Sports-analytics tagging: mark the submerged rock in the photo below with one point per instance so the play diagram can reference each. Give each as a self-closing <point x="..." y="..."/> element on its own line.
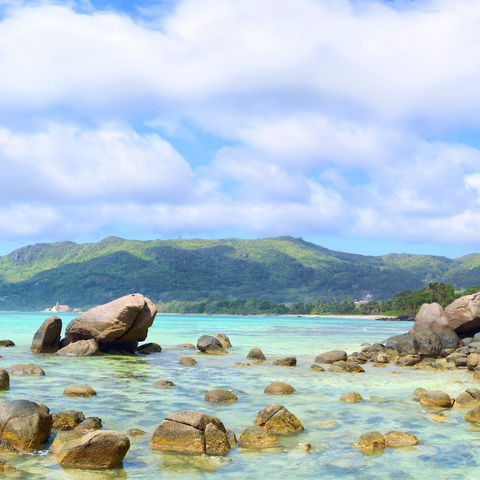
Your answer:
<point x="26" y="369"/>
<point x="96" y="450"/>
<point x="164" y="384"/>
<point x="187" y="361"/>
<point x="278" y="420"/>
<point x="24" y="425"/>
<point x="257" y="437"/>
<point x="396" y="439"/>
<point x="351" y="397"/>
<point x="371" y="442"/>
<point x="47" y="337"/>
<point x="220" y="396"/>
<point x="79" y="390"/>
<point x="285" y="362"/>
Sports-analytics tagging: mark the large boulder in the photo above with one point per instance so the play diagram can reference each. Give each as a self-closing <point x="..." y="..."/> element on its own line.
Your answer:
<point x="98" y="450"/>
<point x="191" y="432"/>
<point x="431" y="316"/>
<point x="464" y="315"/>
<point x="211" y="345"/>
<point x="116" y="326"/>
<point x="428" y="342"/>
<point x="404" y="344"/>
<point x="47" y="337"/>
<point x="82" y="348"/>
<point x="278" y="420"/>
<point x="24" y="425"/>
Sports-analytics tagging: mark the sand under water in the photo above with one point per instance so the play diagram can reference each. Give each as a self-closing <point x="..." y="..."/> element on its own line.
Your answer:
<point x="127" y="398"/>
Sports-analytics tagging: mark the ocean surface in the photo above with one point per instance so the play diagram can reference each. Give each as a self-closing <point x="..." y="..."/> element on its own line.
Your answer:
<point x="127" y="398"/>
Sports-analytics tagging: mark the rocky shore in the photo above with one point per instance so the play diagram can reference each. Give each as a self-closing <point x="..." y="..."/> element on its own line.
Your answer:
<point x="440" y="340"/>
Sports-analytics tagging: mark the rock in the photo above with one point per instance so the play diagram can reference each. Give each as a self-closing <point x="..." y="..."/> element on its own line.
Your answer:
<point x="317" y="368"/>
<point x="382" y="358"/>
<point x="97" y="450"/>
<point x="136" y="432"/>
<point x="371" y="442"/>
<point x="464" y="315"/>
<point x="352" y="397"/>
<point x="232" y="438"/>
<point x="331" y="356"/>
<point x="409" y="360"/>
<point x="277" y="419"/>
<point x="24" y="425"/>
<point x="67" y="420"/>
<point x="6" y="343"/>
<point x="81" y="348"/>
<point x="116" y="326"/>
<point x="190" y="432"/>
<point x="428" y="342"/>
<point x="257" y="437"/>
<point x="432" y="316"/>
<point x="47" y="337"/>
<point x="187" y="346"/>
<point x="305" y="446"/>
<point x="79" y="390"/>
<point x="224" y="340"/>
<point x="437" y="417"/>
<point x="256" y="355"/>
<point x="89" y="424"/>
<point x="279" y="388"/>
<point x="476" y="376"/>
<point x="26" y="369"/>
<point x="400" y="439"/>
<point x="4" y="379"/>
<point x="210" y="345"/>
<point x="404" y="344"/>
<point x="7" y="469"/>
<point x="187" y="361"/>
<point x="376" y="398"/>
<point x="417" y="392"/>
<point x="473" y="416"/>
<point x="285" y="362"/>
<point x="164" y="384"/>
<point x="466" y="401"/>
<point x="62" y="437"/>
<point x="473" y="360"/>
<point x="435" y="399"/>
<point x="460" y="362"/>
<point x="220" y="396"/>
<point x="353" y="367"/>
<point x="148" y="348"/>
<point x="241" y="365"/>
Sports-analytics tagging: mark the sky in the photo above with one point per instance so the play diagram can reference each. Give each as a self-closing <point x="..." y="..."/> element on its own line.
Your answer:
<point x="354" y="124"/>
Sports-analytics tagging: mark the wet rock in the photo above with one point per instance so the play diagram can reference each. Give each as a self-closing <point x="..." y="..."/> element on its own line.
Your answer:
<point x="305" y="446"/>
<point x="241" y="365"/>
<point x="256" y="355"/>
<point x="97" y="450"/>
<point x="351" y="397"/>
<point x="460" y="362"/>
<point x="464" y="315"/>
<point x="317" y="368"/>
<point x="47" y="337"/>
<point x="79" y="390"/>
<point x="26" y="369"/>
<point x="473" y="360"/>
<point x="136" y="432"/>
<point x="257" y="437"/>
<point x="148" y="348"/>
<point x="67" y="420"/>
<point x="331" y="356"/>
<point x="89" y="424"/>
<point x="396" y="439"/>
<point x="164" y="384"/>
<point x="435" y="399"/>
<point x="409" y="360"/>
<point x="187" y="346"/>
<point x="62" y="437"/>
<point x="466" y="401"/>
<point x="437" y="417"/>
<point x="116" y="326"/>
<point x="285" y="362"/>
<point x="279" y="388"/>
<point x="24" y="425"/>
<point x="382" y="358"/>
<point x="187" y="432"/>
<point x="6" y="343"/>
<point x="371" y="442"/>
<point x="232" y="438"/>
<point x="187" y="361"/>
<point x="277" y="419"/>
<point x="81" y="348"/>
<point x="220" y="396"/>
<point x="210" y="345"/>
<point x="473" y="416"/>
<point x="404" y="344"/>
<point x="353" y="367"/>
<point x="224" y="340"/>
<point x="4" y="379"/>
<point x="417" y="392"/>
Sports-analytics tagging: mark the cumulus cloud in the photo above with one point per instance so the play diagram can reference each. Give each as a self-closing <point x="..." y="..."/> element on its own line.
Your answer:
<point x="326" y="117"/>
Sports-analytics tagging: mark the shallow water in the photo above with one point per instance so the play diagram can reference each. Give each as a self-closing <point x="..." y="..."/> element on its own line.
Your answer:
<point x="127" y="398"/>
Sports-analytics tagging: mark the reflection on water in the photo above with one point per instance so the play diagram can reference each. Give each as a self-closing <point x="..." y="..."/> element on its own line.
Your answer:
<point x="127" y="398"/>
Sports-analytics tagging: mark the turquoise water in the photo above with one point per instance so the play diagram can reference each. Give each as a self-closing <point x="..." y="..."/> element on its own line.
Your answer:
<point x="127" y="398"/>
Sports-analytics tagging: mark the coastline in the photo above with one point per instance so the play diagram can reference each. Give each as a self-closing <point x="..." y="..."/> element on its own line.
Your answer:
<point x="359" y="317"/>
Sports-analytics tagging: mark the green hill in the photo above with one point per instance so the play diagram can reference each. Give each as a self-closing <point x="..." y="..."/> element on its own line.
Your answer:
<point x="283" y="269"/>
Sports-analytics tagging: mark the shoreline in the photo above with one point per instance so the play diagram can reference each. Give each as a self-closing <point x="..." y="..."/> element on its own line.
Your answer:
<point x="360" y="317"/>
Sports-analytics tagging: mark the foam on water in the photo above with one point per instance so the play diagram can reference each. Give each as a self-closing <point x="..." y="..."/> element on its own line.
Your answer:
<point x="127" y="398"/>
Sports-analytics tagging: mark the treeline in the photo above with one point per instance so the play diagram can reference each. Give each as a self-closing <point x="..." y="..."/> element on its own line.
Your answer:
<point x="405" y="302"/>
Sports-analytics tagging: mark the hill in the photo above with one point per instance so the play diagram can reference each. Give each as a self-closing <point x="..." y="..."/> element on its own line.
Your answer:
<point x="282" y="269"/>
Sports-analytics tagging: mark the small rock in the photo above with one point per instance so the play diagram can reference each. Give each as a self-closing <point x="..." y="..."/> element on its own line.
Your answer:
<point x="473" y="416"/>
<point x="6" y="468"/>
<point x="437" y="417"/>
<point x="231" y="437"/>
<point x="371" y="442"/>
<point x="187" y="361"/>
<point x="409" y="360"/>
<point x="224" y="340"/>
<point x="305" y="446"/>
<point x="331" y="356"/>
<point x="62" y="437"/>
<point x="241" y="365"/>
<point x="417" y="392"/>
<point x="285" y="362"/>
<point x="256" y="355"/>
<point x="317" y="368"/>
<point x="4" y="379"/>
<point x="277" y="419"/>
<point x="211" y="345"/>
<point x="351" y="397"/>
<point x="148" y="348"/>
<point x="164" y="384"/>
<point x="220" y="396"/>
<point x="6" y="343"/>
<point x="375" y="398"/>
<point x="435" y="399"/>
<point x="256" y="437"/>
<point x="67" y="419"/>
<point x="89" y="424"/>
<point x="80" y="390"/>
<point x="465" y="401"/>
<point x="187" y="346"/>
<point x="400" y="439"/>
<point x="136" y="432"/>
<point x="279" y="388"/>
<point x="26" y="369"/>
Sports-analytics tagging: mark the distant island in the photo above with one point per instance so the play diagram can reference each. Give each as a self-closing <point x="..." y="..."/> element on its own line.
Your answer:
<point x="281" y="270"/>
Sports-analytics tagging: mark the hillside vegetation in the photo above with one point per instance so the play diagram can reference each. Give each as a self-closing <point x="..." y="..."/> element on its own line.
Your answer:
<point x="283" y="269"/>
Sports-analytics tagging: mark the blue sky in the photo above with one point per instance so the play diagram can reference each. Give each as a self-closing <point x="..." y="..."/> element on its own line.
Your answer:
<point x="353" y="124"/>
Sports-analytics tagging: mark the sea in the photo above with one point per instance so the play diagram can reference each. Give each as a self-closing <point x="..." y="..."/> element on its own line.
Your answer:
<point x="127" y="398"/>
